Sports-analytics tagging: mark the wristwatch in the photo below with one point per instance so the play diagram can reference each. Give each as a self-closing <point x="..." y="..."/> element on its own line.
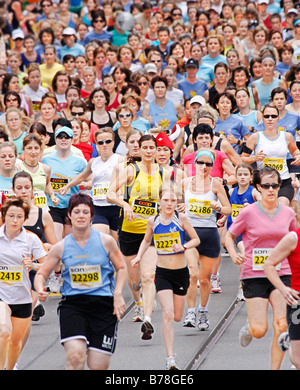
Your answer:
<point x="184" y="246"/>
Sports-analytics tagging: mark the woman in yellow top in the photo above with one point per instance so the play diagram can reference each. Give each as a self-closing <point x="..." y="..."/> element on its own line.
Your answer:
<point x="142" y="181"/>
<point x="50" y="67"/>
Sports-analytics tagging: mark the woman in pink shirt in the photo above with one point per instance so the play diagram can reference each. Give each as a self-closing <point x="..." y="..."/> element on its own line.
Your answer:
<point x="262" y="224"/>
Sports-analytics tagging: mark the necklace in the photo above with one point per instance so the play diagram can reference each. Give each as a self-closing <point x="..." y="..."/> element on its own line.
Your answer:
<point x="31" y="166"/>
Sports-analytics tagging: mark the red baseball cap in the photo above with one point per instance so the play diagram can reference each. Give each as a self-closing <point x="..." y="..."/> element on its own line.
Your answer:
<point x="163" y="139"/>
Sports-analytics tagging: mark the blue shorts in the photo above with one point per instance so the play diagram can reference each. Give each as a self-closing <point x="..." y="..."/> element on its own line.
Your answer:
<point x="107" y="215"/>
<point x="210" y="242"/>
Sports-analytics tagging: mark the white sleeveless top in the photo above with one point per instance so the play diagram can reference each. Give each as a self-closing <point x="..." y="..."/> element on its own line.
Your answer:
<point x="197" y="207"/>
<point x="102" y="171"/>
<point x="276" y="152"/>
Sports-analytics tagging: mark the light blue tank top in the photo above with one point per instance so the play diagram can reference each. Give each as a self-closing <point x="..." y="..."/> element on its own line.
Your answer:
<point x="249" y="119"/>
<point x="264" y="91"/>
<point x="165" y="117"/>
<point x="87" y="270"/>
<point x="6" y="185"/>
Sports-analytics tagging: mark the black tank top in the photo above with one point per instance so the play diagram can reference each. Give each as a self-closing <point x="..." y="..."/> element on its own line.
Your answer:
<point x="38" y="227"/>
<point x="110" y="123"/>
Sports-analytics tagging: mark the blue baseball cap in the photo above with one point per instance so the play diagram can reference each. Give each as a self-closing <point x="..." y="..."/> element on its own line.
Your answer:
<point x="64" y="129"/>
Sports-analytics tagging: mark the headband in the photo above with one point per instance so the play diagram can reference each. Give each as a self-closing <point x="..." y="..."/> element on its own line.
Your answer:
<point x="296" y="22"/>
<point x="204" y="153"/>
<point x="268" y="58"/>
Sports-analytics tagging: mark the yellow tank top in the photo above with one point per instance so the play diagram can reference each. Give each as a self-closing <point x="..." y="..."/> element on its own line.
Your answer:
<point x="142" y="194"/>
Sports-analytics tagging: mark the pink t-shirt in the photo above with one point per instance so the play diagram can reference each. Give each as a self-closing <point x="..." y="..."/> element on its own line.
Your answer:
<point x="260" y="234"/>
<point x="217" y="170"/>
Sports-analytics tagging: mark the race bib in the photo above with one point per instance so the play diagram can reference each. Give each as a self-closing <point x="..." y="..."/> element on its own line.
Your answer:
<point x="100" y="191"/>
<point x="40" y="199"/>
<point x="236" y="208"/>
<point x="259" y="257"/>
<point x="86" y="276"/>
<point x="144" y="208"/>
<point x="8" y="193"/>
<point x="276" y="163"/>
<point x="58" y="183"/>
<point x="11" y="275"/>
<point x="199" y="207"/>
<point x="164" y="242"/>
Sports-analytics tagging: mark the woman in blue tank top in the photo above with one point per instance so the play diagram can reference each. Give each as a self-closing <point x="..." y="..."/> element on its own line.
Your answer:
<point x="263" y="87"/>
<point x="90" y="292"/>
<point x="250" y="117"/>
<point x="172" y="274"/>
<point x="162" y="112"/>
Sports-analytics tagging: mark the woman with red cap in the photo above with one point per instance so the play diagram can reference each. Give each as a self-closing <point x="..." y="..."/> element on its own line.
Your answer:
<point x="164" y="157"/>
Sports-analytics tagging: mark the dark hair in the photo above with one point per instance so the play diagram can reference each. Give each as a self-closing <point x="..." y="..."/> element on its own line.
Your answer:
<point x="202" y="128"/>
<point x="39" y="128"/>
<point x="252" y="62"/>
<point x="90" y="104"/>
<point x="61" y="122"/>
<point x="278" y="90"/>
<point x="155" y="79"/>
<point x="17" y="202"/>
<point x="22" y="174"/>
<point x="270" y="105"/>
<point x="12" y="93"/>
<point x="47" y="30"/>
<point x="4" y="135"/>
<point x="68" y="57"/>
<point x="6" y="80"/>
<point x="78" y="199"/>
<point x="258" y="175"/>
<point x="229" y="96"/>
<point x="31" y="138"/>
<point x="147" y="137"/>
<point x="57" y="74"/>
<point x="96" y="13"/>
<point x="240" y="68"/>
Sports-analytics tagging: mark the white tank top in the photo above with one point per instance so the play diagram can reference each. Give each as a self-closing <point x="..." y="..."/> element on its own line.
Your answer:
<point x="276" y="152"/>
<point x="102" y="171"/>
<point x="197" y="207"/>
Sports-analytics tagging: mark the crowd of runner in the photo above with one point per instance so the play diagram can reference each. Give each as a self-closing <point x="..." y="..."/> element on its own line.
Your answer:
<point x="139" y="140"/>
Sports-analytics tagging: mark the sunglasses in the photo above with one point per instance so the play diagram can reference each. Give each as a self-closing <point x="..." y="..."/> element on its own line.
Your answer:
<point x="99" y="21"/>
<point x="273" y="116"/>
<point x="63" y="136"/>
<point x="106" y="142"/>
<point x="124" y="115"/>
<point x="154" y="61"/>
<point x="208" y="164"/>
<point x="142" y="83"/>
<point x="267" y="186"/>
<point x="77" y="113"/>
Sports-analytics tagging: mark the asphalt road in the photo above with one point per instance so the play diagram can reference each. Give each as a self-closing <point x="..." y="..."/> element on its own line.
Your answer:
<point x="44" y="352"/>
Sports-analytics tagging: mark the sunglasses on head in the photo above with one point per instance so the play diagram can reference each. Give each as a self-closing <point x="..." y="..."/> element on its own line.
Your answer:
<point x="267" y="186"/>
<point x="273" y="116"/>
<point x="63" y="135"/>
<point x="106" y="142"/>
<point x="208" y="164"/>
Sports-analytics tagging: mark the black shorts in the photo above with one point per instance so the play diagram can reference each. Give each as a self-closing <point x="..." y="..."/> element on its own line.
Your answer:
<point x="20" y="310"/>
<point x="107" y="215"/>
<point x="130" y="242"/>
<point x="89" y="318"/>
<point x="177" y="280"/>
<point x="59" y="215"/>
<point x="292" y="168"/>
<point x="286" y="189"/>
<point x="210" y="242"/>
<point x="293" y="320"/>
<point x="261" y="287"/>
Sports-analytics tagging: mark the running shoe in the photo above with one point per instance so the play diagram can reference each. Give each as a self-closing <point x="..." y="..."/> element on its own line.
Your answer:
<point x="147" y="330"/>
<point x="215" y="285"/>
<point x="38" y="312"/>
<point x="138" y="313"/>
<point x="203" y="321"/>
<point x="171" y="364"/>
<point x="284" y="341"/>
<point x="190" y="320"/>
<point x="245" y="336"/>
